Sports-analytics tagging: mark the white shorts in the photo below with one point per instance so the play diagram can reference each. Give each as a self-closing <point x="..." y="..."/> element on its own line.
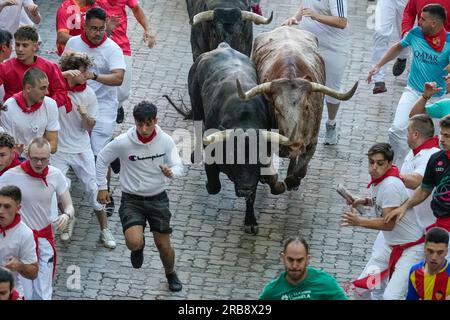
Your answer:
<point x="335" y="63"/>
<point x="41" y="287"/>
<point x="83" y="165"/>
<point x="123" y="92"/>
<point x="101" y="135"/>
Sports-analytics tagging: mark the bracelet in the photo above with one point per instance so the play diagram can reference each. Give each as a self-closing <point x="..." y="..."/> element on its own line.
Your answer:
<point x="425" y="97"/>
<point x="95" y="76"/>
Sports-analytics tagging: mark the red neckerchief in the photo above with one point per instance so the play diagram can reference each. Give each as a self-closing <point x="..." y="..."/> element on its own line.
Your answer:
<point x="392" y="172"/>
<point x="146" y="140"/>
<point x="89" y="43"/>
<point x="14" y="223"/>
<point x="430" y="143"/>
<point x="46" y="233"/>
<point x="14" y="295"/>
<point x="14" y="163"/>
<point x="23" y="105"/>
<point x="29" y="170"/>
<point x="77" y="87"/>
<point x="437" y="41"/>
<point x="448" y="154"/>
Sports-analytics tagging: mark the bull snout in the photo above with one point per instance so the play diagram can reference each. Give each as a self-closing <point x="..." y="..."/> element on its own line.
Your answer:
<point x="245" y="193"/>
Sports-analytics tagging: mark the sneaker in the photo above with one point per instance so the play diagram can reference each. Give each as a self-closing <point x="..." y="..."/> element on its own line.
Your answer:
<point x="379" y="87"/>
<point x="331" y="134"/>
<point x="174" y="283"/>
<point x="110" y="207"/>
<point x="120" y="115"/>
<point x="137" y="257"/>
<point x="67" y="233"/>
<point x="399" y="67"/>
<point x="107" y="238"/>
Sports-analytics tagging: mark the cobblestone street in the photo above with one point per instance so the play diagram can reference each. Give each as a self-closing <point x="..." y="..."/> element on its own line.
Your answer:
<point x="215" y="259"/>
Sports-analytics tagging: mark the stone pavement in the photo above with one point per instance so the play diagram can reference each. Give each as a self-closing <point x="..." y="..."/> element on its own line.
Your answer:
<point x="214" y="257"/>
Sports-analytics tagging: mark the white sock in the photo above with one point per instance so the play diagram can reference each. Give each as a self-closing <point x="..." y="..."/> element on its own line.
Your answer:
<point x="331" y="122"/>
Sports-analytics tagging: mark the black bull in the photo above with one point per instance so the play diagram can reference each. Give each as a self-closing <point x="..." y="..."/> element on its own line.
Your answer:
<point x="216" y="21"/>
<point x="214" y="100"/>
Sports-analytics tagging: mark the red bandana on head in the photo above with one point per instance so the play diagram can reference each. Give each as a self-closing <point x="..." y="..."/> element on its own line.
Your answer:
<point x="23" y="105"/>
<point x="146" y="140"/>
<point x="392" y="172"/>
<point x="26" y="167"/>
<point x="14" y="163"/>
<point x="430" y="143"/>
<point x="14" y="223"/>
<point x="89" y="43"/>
<point x="437" y="42"/>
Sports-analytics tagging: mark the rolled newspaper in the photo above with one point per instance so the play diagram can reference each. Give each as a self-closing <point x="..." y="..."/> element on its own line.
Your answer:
<point x="349" y="197"/>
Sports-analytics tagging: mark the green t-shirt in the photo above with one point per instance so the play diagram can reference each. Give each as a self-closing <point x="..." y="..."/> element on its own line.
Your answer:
<point x="317" y="285"/>
<point x="439" y="109"/>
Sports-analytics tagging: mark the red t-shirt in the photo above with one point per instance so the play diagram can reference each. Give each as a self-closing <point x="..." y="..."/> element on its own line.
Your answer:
<point x="414" y="8"/>
<point x="70" y="19"/>
<point x="117" y="8"/>
<point x="12" y="71"/>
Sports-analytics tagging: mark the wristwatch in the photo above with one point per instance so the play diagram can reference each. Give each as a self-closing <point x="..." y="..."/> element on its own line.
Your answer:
<point x="94" y="76"/>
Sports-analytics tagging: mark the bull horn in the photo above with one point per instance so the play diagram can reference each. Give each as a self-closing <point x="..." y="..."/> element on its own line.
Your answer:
<point x="317" y="87"/>
<point x="261" y="88"/>
<point x="256" y="18"/>
<point x="273" y="136"/>
<point x="217" y="137"/>
<point x="204" y="16"/>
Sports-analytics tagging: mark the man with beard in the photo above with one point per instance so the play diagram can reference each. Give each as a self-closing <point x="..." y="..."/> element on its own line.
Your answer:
<point x="299" y="281"/>
<point x="430" y="45"/>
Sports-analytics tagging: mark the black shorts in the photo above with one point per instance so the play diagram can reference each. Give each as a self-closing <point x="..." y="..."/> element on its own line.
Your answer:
<point x="137" y="210"/>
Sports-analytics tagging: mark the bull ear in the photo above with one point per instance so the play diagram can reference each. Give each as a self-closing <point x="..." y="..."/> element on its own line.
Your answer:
<point x="307" y="78"/>
<point x="222" y="128"/>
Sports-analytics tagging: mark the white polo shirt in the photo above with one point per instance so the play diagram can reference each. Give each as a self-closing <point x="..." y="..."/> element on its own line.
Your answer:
<point x="18" y="243"/>
<point x="24" y="127"/>
<point x="36" y="196"/>
<point x="73" y="137"/>
<point x="106" y="57"/>
<point x="417" y="164"/>
<point x="390" y="193"/>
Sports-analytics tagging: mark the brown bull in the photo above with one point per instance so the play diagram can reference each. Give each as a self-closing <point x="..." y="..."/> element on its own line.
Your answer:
<point x="291" y="74"/>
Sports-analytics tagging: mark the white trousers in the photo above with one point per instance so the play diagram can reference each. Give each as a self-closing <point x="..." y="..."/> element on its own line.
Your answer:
<point x="101" y="135"/>
<point x="124" y="90"/>
<point x="397" y="132"/>
<point x="41" y="287"/>
<point x="388" y="19"/>
<point x="396" y="287"/>
<point x="335" y="63"/>
<point x="83" y="165"/>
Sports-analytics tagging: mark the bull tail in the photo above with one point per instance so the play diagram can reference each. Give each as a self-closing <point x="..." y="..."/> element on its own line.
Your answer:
<point x="183" y="110"/>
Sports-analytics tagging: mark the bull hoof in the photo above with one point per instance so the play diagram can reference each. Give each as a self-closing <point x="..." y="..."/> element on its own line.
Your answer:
<point x="292" y="183"/>
<point x="278" y="188"/>
<point x="251" y="229"/>
<point x="213" y="190"/>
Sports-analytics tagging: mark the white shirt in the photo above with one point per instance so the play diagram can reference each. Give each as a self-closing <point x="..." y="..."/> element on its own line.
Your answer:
<point x="36" y="196"/>
<point x="24" y="127"/>
<point x="10" y="15"/>
<point x="106" y="57"/>
<point x="139" y="163"/>
<point x="18" y="243"/>
<point x="329" y="37"/>
<point x="391" y="193"/>
<point x="417" y="164"/>
<point x="73" y="137"/>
